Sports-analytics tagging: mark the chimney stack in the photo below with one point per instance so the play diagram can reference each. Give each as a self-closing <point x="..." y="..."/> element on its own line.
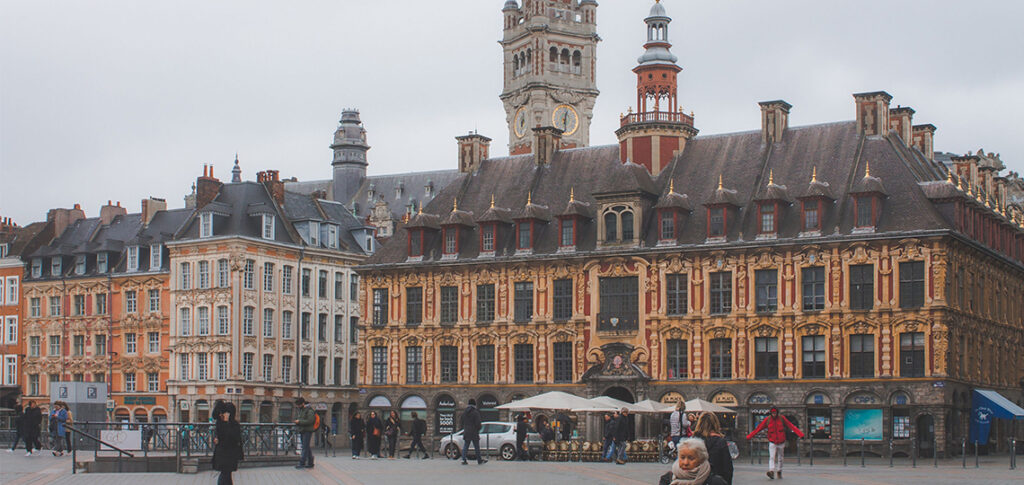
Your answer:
<point x="62" y="218"/>
<point x="774" y="120"/>
<point x="207" y="187"/>
<point x="546" y="140"/>
<point x="901" y="119"/>
<point x="150" y="207"/>
<point x="110" y="211"/>
<point x="474" y="148"/>
<point x="924" y="140"/>
<point x="872" y="113"/>
<point x="271" y="180"/>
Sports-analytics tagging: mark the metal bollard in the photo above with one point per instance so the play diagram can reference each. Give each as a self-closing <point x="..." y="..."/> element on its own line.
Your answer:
<point x="798" y="452"/>
<point x="975" y="453"/>
<point x="753" y="451"/>
<point x="862" y="452"/>
<point x="759" y="456"/>
<point x="844" y="452"/>
<point x="935" y="450"/>
<point x="1013" y="453"/>
<point x="913" y="453"/>
<point x="811" y="456"/>
<point x="963" y="451"/>
<point x="890" y="452"/>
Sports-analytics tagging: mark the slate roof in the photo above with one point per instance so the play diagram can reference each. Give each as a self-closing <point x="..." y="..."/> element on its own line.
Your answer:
<point x="413" y="190"/>
<point x="26" y="240"/>
<point x="741" y="160"/>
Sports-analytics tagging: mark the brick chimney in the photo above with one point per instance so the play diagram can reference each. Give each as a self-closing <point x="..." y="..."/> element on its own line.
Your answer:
<point x="150" y="207"/>
<point x="872" y="113"/>
<point x="924" y="140"/>
<point x="110" y="211"/>
<point x="774" y="120"/>
<point x="272" y="181"/>
<point x="546" y="140"/>
<point x="207" y="187"/>
<point x="474" y="148"/>
<point x="901" y="120"/>
<point x="62" y="218"/>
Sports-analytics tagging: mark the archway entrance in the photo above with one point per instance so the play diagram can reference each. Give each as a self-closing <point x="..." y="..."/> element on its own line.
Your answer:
<point x="623" y="394"/>
<point x="925" y="435"/>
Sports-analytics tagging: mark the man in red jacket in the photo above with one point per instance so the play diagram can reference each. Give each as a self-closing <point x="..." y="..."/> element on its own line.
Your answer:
<point x="775" y="427"/>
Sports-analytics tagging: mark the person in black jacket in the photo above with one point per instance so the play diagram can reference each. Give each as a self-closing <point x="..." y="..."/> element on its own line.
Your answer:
<point x="374" y="431"/>
<point x="609" y="436"/>
<point x="392" y="430"/>
<point x="622" y="429"/>
<point x="522" y="431"/>
<point x="32" y="420"/>
<point x="471" y="432"/>
<point x="19" y="426"/>
<point x="356" y="431"/>
<point x="419" y="428"/>
<point x="709" y="429"/>
<point x="227" y="451"/>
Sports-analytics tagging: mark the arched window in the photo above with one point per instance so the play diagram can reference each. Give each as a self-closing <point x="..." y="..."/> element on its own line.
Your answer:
<point x="565" y="57"/>
<point x="627" y="226"/>
<point x="554" y="55"/>
<point x="529" y="58"/>
<point x="515" y="64"/>
<point x="610" y="226"/>
<point x="577" y="62"/>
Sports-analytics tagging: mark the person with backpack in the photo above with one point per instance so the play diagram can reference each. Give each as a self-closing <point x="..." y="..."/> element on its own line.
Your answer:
<point x="419" y="428"/>
<point x="19" y="429"/>
<point x="678" y="424"/>
<point x="775" y="427"/>
<point x="471" y="423"/>
<point x="308" y="422"/>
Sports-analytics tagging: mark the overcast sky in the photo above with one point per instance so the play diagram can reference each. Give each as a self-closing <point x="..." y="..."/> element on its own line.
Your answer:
<point x="126" y="99"/>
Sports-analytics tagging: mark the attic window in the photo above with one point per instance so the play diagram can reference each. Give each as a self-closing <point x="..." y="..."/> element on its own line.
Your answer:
<point x="487" y="238"/>
<point x="37" y="267"/>
<point x="451" y="240"/>
<point x="80" y="264"/>
<point x="668" y="225"/>
<point x="415" y="243"/>
<point x="568" y="232"/>
<point x="618" y="224"/>
<point x="332" y="236"/>
<point x="812" y="215"/>
<point x="55" y="266"/>
<point x="768" y="212"/>
<point x="133" y="259"/>
<point x="865" y="211"/>
<point x="101" y="263"/>
<point x="525" y="236"/>
<point x="398" y="192"/>
<point x="155" y="257"/>
<point x="314" y="234"/>
<point x="429" y="190"/>
<point x="716" y="222"/>
<point x="268" y="226"/>
<point x="206" y="224"/>
<point x="3" y="250"/>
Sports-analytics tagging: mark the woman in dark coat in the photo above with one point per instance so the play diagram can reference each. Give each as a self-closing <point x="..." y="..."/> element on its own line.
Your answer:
<point x="33" y="419"/>
<point x="709" y="430"/>
<point x="227" y="451"/>
<point x="393" y="429"/>
<point x="356" y="431"/>
<point x="374" y="432"/>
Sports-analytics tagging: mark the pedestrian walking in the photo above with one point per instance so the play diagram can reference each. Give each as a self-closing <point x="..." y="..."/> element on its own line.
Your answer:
<point x="775" y="428"/>
<point x="678" y="424"/>
<point x="67" y="432"/>
<point x="356" y="431"/>
<point x="32" y="421"/>
<point x="610" y="422"/>
<point x="471" y="432"/>
<point x="19" y="428"/>
<point x="522" y="431"/>
<point x="58" y="416"/>
<point x="392" y="431"/>
<point x="374" y="432"/>
<point x="691" y="467"/>
<point x="227" y="444"/>
<point x="622" y="429"/>
<point x="307" y="425"/>
<point x="710" y="430"/>
<point x="419" y="428"/>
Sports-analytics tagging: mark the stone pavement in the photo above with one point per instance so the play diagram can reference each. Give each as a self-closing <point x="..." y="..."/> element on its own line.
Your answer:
<point x="16" y="469"/>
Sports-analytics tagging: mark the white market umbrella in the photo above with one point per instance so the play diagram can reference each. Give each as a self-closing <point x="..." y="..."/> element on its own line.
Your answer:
<point x="702" y="406"/>
<point x="607" y="404"/>
<point x="552" y="401"/>
<point x="648" y="406"/>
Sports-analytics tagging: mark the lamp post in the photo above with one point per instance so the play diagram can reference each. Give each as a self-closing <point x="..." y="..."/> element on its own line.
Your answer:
<point x="110" y="378"/>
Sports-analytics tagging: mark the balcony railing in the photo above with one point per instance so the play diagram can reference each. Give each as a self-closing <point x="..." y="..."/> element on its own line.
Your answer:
<point x="657" y="117"/>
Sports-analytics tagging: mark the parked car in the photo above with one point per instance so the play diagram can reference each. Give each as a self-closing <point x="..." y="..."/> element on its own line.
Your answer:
<point x="495" y="437"/>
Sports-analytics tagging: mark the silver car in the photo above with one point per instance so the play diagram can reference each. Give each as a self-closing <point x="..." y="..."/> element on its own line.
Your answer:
<point x="495" y="437"/>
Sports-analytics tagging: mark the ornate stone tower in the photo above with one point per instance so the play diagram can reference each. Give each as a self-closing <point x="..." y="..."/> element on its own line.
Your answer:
<point x="349" y="163"/>
<point x="550" y="49"/>
<point x="659" y="129"/>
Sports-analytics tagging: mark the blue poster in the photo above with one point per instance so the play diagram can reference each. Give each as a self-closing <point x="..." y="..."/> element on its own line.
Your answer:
<point x="863" y="424"/>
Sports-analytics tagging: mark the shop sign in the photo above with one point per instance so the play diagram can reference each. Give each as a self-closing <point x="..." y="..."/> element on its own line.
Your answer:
<point x="488" y="402"/>
<point x="863" y="399"/>
<point x="863" y="424"/>
<point x="725" y="398"/>
<point x="139" y="400"/>
<point x="321" y="406"/>
<point x="759" y="398"/>
<point x="672" y="398"/>
<point x="446" y="403"/>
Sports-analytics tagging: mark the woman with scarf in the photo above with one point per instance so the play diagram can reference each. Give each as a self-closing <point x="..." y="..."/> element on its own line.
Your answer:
<point x="692" y="467"/>
<point x="374" y="430"/>
<point x="392" y="430"/>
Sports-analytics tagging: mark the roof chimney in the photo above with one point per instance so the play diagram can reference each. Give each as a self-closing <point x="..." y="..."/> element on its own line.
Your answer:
<point x="774" y="120"/>
<point x="924" y="140"/>
<point x="872" y="112"/>
<point x="474" y="148"/>
<point x="546" y="140"/>
<point x="150" y="207"/>
<point x="207" y="187"/>
<point x="110" y="211"/>
<point x="271" y="180"/>
<point x="901" y="119"/>
<point x="62" y="218"/>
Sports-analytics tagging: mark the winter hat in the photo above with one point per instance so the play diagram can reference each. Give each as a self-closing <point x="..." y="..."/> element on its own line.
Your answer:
<point x="773" y="410"/>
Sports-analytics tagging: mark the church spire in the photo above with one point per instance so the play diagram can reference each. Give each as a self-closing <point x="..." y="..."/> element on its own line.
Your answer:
<point x="236" y="171"/>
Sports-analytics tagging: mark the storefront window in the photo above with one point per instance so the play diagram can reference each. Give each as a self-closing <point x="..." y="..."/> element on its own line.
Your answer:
<point x="819" y="423"/>
<point x="900" y="424"/>
<point x="487" y="404"/>
<point x="410" y="404"/>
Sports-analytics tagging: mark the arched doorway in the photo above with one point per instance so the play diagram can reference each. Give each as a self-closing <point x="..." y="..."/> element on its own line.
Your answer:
<point x="623" y="394"/>
<point x="926" y="435"/>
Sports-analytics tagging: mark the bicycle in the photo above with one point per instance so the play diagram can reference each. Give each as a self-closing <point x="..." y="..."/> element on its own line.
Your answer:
<point x="666" y="449"/>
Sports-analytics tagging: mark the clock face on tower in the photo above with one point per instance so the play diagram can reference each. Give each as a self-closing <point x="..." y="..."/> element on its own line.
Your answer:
<point x="519" y="123"/>
<point x="566" y="119"/>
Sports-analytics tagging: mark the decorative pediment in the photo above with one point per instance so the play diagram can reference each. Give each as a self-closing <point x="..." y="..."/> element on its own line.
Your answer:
<point x="719" y="332"/>
<point x="910" y="249"/>
<point x="911" y="325"/>
<point x="616" y="362"/>
<point x="765" y="331"/>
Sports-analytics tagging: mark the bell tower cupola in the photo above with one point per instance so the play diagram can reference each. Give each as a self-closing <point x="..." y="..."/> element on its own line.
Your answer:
<point x="349" y="162"/>
<point x="550" y="52"/>
<point x="659" y="128"/>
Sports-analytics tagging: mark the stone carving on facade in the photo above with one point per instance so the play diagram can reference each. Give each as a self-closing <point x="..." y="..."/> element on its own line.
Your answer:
<point x="940" y="349"/>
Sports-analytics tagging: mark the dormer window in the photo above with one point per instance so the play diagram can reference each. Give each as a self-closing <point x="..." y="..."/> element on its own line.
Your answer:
<point x="4" y="249"/>
<point x="156" y="257"/>
<point x="487" y="238"/>
<point x="568" y="232"/>
<point x="451" y="240"/>
<point x="55" y="266"/>
<point x="716" y="222"/>
<point x="524" y="236"/>
<point x="668" y="225"/>
<point x="80" y="264"/>
<point x="865" y="211"/>
<point x="314" y="234"/>
<point x="812" y="215"/>
<point x="101" y="263"/>
<point x="268" y="226"/>
<point x="619" y="224"/>
<point x="37" y="267"/>
<point x="206" y="224"/>
<point x="133" y="259"/>
<point x="768" y="212"/>
<point x="428" y="191"/>
<point x="415" y="243"/>
<point x="332" y="236"/>
<point x="398" y="191"/>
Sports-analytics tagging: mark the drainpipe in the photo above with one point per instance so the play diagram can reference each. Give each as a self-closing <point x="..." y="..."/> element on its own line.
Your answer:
<point x="298" y="313"/>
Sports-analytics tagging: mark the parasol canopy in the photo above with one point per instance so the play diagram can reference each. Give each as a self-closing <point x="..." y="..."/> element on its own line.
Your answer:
<point x="555" y="401"/>
<point x="700" y="405"/>
<point x="648" y="406"/>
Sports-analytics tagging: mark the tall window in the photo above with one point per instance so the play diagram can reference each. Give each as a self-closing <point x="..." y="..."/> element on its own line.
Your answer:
<point x="101" y="345"/>
<point x="130" y="345"/>
<point x="54" y="306"/>
<point x="129" y="382"/>
<point x="203" y="321"/>
<point x="523" y="301"/>
<point x="716" y="222"/>
<point x="668" y="225"/>
<point x="321" y="327"/>
<point x="449" y="304"/>
<point x="523" y="355"/>
<point x="34" y="346"/>
<point x="766" y="357"/>
<point x="485" y="303"/>
<point x="286" y="324"/>
<point x="249" y="275"/>
<point x="153" y="342"/>
<point x="380" y="364"/>
<point x="35" y="307"/>
<point x="620" y="303"/>
<point x="153" y="381"/>
<point x="78" y="304"/>
<point x="268" y="276"/>
<point x="268" y="367"/>
<point x="304" y="322"/>
<point x="767" y="290"/>
<point x="248" y="313"/>
<point x="449" y="364"/>
<point x="286" y="280"/>
<point x="912" y="284"/>
<point x="862" y="287"/>
<point x="202" y="366"/>
<point x="78" y="345"/>
<point x="813" y="349"/>
<point x="562" y="358"/>
<point x="247" y="360"/>
<point x="54" y="350"/>
<point x="339" y="329"/>
<point x="862" y="355"/>
<point x="414" y="365"/>
<point x="484" y="364"/>
<point x="203" y="267"/>
<point x="321" y="287"/>
<point x="812" y="220"/>
<point x="339" y="286"/>
<point x="568" y="232"/>
<point x="487" y="238"/>
<point x="268" y="322"/>
<point x="223" y="270"/>
<point x="154" y="301"/>
<point x="721" y="292"/>
<point x="131" y="304"/>
<point x="676" y="294"/>
<point x="286" y="368"/>
<point x="721" y="358"/>
<point x="562" y="300"/>
<point x="305" y="283"/>
<point x="912" y="354"/>
<point x="525" y="239"/>
<point x="223" y="324"/>
<point x="677" y="366"/>
<point x="380" y="307"/>
<point x="414" y="305"/>
<point x="451" y="240"/>
<point x="186" y="276"/>
<point x="814" y="288"/>
<point x="353" y="287"/>
<point x="865" y="218"/>
<point x="767" y="218"/>
<point x="185" y="321"/>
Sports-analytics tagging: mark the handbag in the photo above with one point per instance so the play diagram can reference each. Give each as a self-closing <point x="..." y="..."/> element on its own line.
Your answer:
<point x="376" y="431"/>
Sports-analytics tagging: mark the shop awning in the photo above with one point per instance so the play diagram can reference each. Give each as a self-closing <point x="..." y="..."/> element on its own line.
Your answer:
<point x="1000" y="406"/>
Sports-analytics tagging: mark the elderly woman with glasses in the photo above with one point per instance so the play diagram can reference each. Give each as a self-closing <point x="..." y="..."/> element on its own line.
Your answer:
<point x="692" y="467"/>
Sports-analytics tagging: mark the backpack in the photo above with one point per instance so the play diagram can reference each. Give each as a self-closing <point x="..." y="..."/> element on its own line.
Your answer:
<point x="316" y="421"/>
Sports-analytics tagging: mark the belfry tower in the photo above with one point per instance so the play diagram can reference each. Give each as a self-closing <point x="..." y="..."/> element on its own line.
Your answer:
<point x="659" y="129"/>
<point x="550" y="49"/>
<point x="349" y="161"/>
